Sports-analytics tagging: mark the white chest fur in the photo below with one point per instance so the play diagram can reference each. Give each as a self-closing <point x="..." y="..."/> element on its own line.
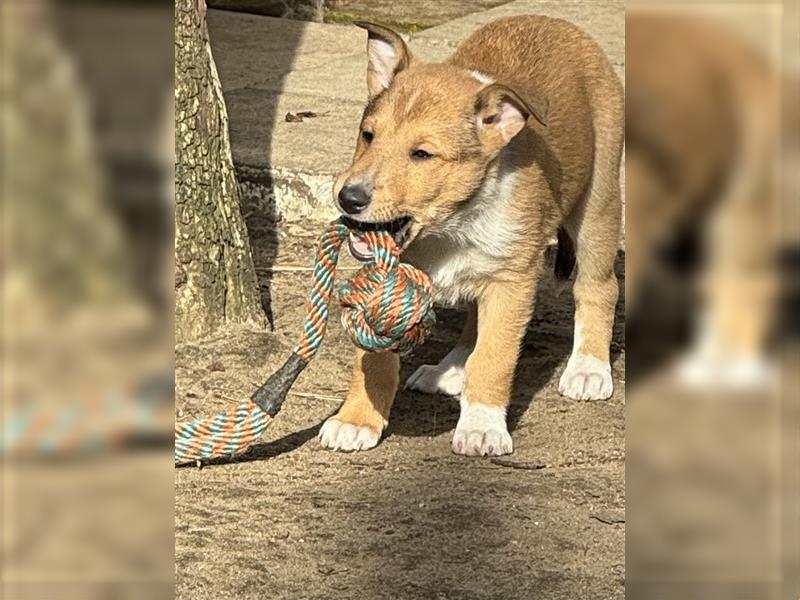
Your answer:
<point x="473" y="244"/>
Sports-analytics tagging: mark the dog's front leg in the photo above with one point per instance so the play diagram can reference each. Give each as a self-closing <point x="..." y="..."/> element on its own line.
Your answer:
<point x="365" y="412"/>
<point x="504" y="310"/>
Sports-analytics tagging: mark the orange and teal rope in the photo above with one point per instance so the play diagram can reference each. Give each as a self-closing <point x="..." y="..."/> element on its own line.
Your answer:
<point x="386" y="306"/>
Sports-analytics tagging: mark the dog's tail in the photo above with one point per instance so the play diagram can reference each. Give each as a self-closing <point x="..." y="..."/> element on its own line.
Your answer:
<point x="565" y="257"/>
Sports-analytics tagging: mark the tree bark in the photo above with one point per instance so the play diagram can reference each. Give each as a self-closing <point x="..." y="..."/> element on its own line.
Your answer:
<point x="215" y="281"/>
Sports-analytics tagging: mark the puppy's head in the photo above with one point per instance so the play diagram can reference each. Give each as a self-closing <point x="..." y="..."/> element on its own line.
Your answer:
<point x="427" y="137"/>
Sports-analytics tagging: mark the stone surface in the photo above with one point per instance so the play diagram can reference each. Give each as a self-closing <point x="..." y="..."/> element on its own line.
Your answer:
<point x="269" y="67"/>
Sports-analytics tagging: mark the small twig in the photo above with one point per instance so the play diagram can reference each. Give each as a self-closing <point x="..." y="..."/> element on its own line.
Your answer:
<point x="227" y="398"/>
<point x="527" y="466"/>
<point x="315" y="396"/>
<point x="291" y="392"/>
<point x="297" y="269"/>
<point x="330" y="570"/>
<point x="609" y="517"/>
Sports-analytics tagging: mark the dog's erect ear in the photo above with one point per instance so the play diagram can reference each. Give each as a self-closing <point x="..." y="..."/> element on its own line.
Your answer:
<point x="501" y="114"/>
<point x="388" y="55"/>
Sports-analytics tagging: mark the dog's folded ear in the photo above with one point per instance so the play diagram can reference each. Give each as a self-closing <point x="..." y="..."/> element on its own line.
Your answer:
<point x="388" y="55"/>
<point x="501" y="113"/>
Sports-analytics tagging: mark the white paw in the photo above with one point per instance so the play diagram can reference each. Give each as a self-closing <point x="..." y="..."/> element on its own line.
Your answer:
<point x="433" y="379"/>
<point x="703" y="371"/>
<point x="586" y="378"/>
<point x="346" y="437"/>
<point x="482" y="431"/>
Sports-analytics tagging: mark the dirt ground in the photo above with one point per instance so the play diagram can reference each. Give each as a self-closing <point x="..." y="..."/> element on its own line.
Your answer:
<point x="408" y="519"/>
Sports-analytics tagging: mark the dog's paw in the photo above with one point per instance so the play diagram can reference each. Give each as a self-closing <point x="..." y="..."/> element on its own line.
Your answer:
<point x="703" y="372"/>
<point x="434" y="379"/>
<point x="346" y="437"/>
<point x="586" y="378"/>
<point x="482" y="431"/>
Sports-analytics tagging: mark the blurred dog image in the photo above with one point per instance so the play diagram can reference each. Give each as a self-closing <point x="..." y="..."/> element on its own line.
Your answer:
<point x="476" y="164"/>
<point x="703" y="148"/>
<point x="707" y="502"/>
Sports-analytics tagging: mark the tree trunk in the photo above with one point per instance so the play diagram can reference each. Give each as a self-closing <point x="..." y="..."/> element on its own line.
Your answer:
<point x="215" y="281"/>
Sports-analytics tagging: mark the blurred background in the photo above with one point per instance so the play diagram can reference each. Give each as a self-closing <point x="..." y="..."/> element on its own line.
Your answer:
<point x="87" y="407"/>
<point x="711" y="281"/>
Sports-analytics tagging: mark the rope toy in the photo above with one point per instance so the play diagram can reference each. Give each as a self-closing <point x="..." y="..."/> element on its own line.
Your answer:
<point x="106" y="418"/>
<point x="386" y="307"/>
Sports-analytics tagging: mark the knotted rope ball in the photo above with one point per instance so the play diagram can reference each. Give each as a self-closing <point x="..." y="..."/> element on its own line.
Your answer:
<point x="386" y="306"/>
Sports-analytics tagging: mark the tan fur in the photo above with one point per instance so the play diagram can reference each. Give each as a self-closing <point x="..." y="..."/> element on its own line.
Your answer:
<point x="514" y="159"/>
<point x="370" y="399"/>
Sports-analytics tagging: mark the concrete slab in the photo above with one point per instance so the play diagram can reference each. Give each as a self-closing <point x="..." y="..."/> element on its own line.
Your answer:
<point x="258" y="51"/>
<point x="269" y="67"/>
<point x="291" y="164"/>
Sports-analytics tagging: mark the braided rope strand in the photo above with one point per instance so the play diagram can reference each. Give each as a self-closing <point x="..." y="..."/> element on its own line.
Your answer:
<point x="227" y="434"/>
<point x="386" y="306"/>
<point x="316" y="321"/>
<point x="71" y="428"/>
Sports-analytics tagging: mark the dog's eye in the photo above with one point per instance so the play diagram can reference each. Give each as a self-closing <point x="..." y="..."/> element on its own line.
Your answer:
<point x="367" y="136"/>
<point x="420" y="154"/>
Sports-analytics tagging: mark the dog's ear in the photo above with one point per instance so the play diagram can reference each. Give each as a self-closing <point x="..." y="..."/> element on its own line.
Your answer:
<point x="501" y="114"/>
<point x="388" y="55"/>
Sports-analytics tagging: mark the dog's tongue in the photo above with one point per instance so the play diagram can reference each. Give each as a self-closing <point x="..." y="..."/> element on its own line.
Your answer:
<point x="359" y="248"/>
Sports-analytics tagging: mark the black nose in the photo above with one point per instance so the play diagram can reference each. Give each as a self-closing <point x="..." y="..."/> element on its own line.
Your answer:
<point x="354" y="199"/>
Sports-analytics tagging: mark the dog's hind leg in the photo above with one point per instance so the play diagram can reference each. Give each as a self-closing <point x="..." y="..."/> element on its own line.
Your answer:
<point x="739" y="283"/>
<point x="448" y="376"/>
<point x="594" y="226"/>
<point x="588" y="372"/>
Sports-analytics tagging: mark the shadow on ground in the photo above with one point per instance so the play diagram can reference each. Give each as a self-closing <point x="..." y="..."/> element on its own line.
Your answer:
<point x="255" y="117"/>
<point x="408" y="519"/>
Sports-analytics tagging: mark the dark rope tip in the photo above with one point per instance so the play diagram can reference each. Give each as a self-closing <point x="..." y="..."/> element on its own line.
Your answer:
<point x="270" y="396"/>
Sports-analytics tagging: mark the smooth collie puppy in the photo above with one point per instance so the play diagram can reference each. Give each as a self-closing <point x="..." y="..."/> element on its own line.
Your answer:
<point x="476" y="164"/>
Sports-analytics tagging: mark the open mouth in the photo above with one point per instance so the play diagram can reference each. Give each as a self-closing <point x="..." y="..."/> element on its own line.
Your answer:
<point x="400" y="229"/>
